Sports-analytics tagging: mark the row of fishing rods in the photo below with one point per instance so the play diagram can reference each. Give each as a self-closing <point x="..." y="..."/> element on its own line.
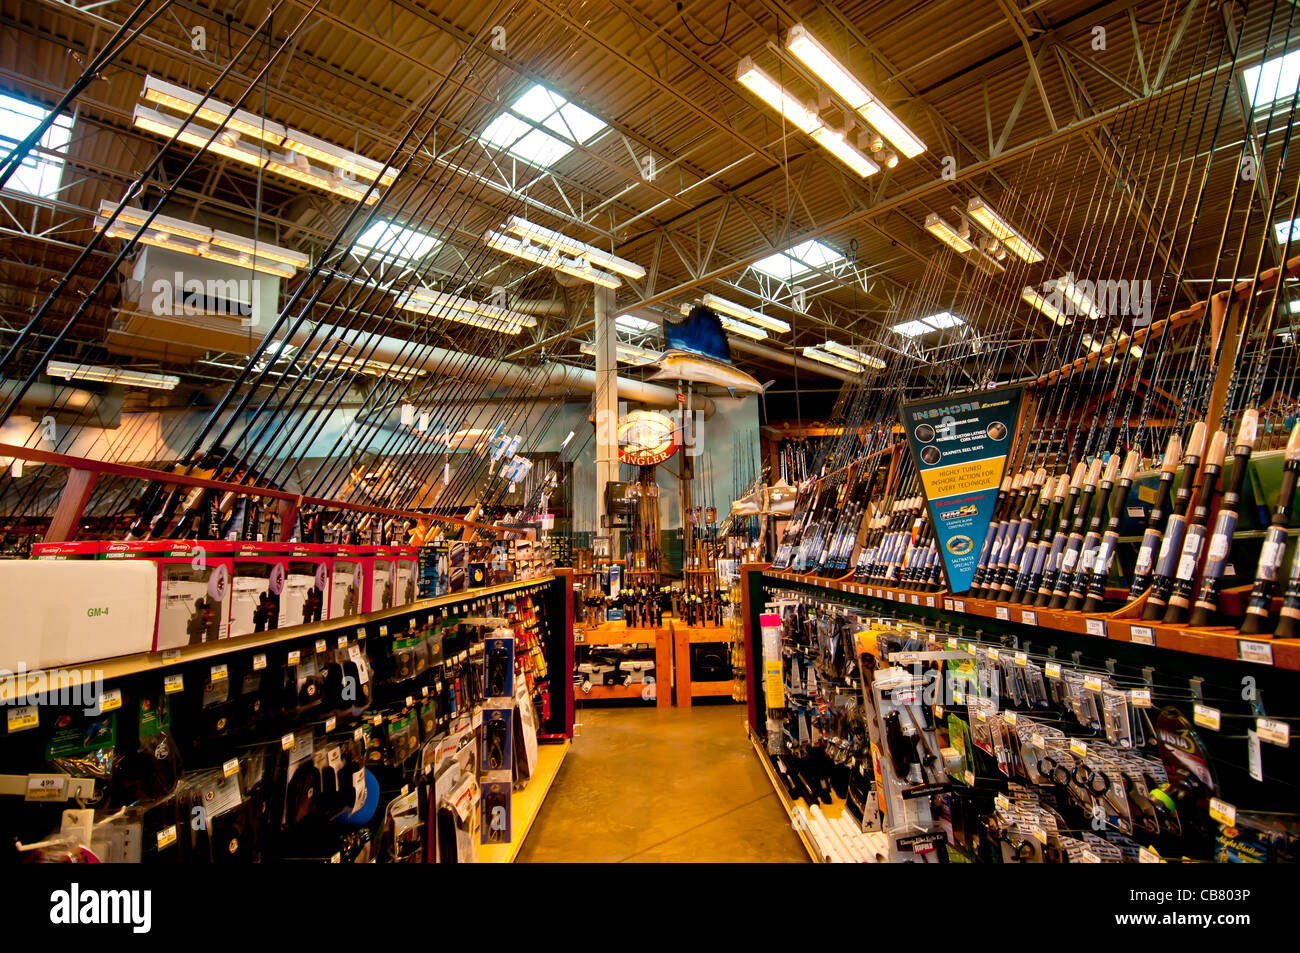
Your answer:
<point x="299" y="398"/>
<point x="1057" y="520"/>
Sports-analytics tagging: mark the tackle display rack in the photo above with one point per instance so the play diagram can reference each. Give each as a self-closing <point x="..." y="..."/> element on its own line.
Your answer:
<point x="617" y="633"/>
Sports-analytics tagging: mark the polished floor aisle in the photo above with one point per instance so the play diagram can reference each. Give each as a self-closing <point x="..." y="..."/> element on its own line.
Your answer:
<point x="662" y="785"/>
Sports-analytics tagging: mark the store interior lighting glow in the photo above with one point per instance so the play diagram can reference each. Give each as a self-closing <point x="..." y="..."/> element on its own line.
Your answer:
<point x="373" y="368"/>
<point x="571" y="246"/>
<point x="1082" y="303"/>
<point x="788" y="105"/>
<point x="822" y="357"/>
<point x="739" y="311"/>
<point x="111" y="375"/>
<point x="729" y="324"/>
<point x="1003" y="231"/>
<point x="941" y="230"/>
<point x="442" y="299"/>
<point x="255" y="141"/>
<point x="198" y="240"/>
<point x="408" y="302"/>
<point x="1032" y="297"/>
<point x="550" y="258"/>
<point x="849" y="88"/>
<point x="853" y="354"/>
<point x="627" y="353"/>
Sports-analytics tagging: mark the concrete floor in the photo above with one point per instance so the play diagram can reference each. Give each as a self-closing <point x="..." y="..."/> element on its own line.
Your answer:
<point x="651" y="785"/>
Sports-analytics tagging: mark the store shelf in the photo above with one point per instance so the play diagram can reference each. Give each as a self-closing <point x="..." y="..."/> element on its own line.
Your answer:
<point x="80" y="672"/>
<point x="1218" y="642"/>
<point x="873" y="843"/>
<point x="617" y="633"/>
<point x="684" y="636"/>
<point x="601" y="693"/>
<point x="525" y="805"/>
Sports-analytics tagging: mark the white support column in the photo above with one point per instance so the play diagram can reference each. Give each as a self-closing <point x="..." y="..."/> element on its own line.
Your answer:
<point x="606" y="406"/>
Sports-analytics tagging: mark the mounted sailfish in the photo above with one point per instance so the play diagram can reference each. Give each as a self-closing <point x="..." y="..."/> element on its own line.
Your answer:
<point x="697" y="352"/>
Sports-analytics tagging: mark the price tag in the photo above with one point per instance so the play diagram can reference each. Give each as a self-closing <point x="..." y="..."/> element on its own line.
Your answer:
<point x="1273" y="731"/>
<point x="958" y="605"/>
<point x="1223" y="812"/>
<point x="170" y="655"/>
<point x="174" y="683"/>
<point x="952" y="642"/>
<point x="929" y="601"/>
<point x="111" y="700"/>
<point x="259" y="662"/>
<point x="286" y="741"/>
<point x="321" y="647"/>
<point x="1148" y="855"/>
<point x="1088" y="857"/>
<point x="579" y="636"/>
<point x="981" y="716"/>
<point x="1009" y="717"/>
<point x="916" y="600"/>
<point x="1254" y="756"/>
<point x="383" y="630"/>
<point x="47" y="787"/>
<point x="969" y="777"/>
<point x="293" y="657"/>
<point x="995" y="654"/>
<point x="1028" y="617"/>
<point x="958" y="698"/>
<point x="938" y="711"/>
<point x="1040" y="835"/>
<point x="1003" y="613"/>
<point x="1002" y="802"/>
<point x="1092" y="683"/>
<point x="361" y="632"/>
<point x="166" y="837"/>
<point x="1259" y="652"/>
<point x="410" y="702"/>
<point x="1079" y="747"/>
<point x="1052" y="669"/>
<point x="1207" y="717"/>
<point x="1096" y="627"/>
<point x="231" y="767"/>
<point x="947" y="604"/>
<point x="1142" y="634"/>
<point x="330" y="723"/>
<point x="358" y="733"/>
<point x="1022" y="659"/>
<point x="1140" y="698"/>
<point x="217" y="673"/>
<point x="24" y="717"/>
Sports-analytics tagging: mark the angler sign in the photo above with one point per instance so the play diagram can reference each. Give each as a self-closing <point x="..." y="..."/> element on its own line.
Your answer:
<point x="960" y="444"/>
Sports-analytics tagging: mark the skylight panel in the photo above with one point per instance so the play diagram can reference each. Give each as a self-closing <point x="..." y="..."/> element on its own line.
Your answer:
<point x="39" y="174"/>
<point x="944" y="319"/>
<point x="799" y="260"/>
<point x="564" y="125"/>
<point x="1273" y="80"/>
<point x="912" y="329"/>
<point x="396" y="242"/>
<point x="632" y="323"/>
<point x="928" y="325"/>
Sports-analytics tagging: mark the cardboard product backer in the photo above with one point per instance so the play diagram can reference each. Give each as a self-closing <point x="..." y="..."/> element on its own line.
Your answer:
<point x="257" y="583"/>
<point x="525" y="731"/>
<point x="380" y="575"/>
<point x="62" y="612"/>
<point x="88" y="549"/>
<point x="347" y="582"/>
<point x="434" y="569"/>
<point x="193" y="587"/>
<point x="406" y="575"/>
<point x="306" y="583"/>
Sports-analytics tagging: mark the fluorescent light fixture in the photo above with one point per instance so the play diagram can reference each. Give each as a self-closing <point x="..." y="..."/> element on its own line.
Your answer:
<point x="563" y="126"/>
<point x="340" y="168"/>
<point x="182" y="100"/>
<point x="1093" y="345"/>
<point x="1002" y="230"/>
<point x="571" y="246"/>
<point x="631" y="322"/>
<point x="460" y="310"/>
<point x="396" y="242"/>
<point x="549" y="258"/>
<point x="799" y="260"/>
<point x="199" y="240"/>
<point x="1031" y="296"/>
<point x="1273" y="79"/>
<point x="111" y="375"/>
<point x="468" y="306"/>
<point x="627" y="353"/>
<point x="821" y="356"/>
<point x="935" y="322"/>
<point x="731" y="309"/>
<point x="853" y="354"/>
<point x="1082" y="303"/>
<point x="788" y="105"/>
<point x="850" y="89"/>
<point x="39" y="173"/>
<point x="941" y="230"/>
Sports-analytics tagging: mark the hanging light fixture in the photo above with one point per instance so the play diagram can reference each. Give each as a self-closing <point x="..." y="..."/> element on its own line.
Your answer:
<point x="1002" y="230"/>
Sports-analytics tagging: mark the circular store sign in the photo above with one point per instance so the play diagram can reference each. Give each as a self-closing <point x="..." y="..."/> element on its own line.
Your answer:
<point x="646" y="438"/>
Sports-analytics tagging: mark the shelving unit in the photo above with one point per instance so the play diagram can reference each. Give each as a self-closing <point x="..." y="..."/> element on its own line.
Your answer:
<point x="684" y="636"/>
<point x="525" y="805"/>
<point x="618" y="633"/>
